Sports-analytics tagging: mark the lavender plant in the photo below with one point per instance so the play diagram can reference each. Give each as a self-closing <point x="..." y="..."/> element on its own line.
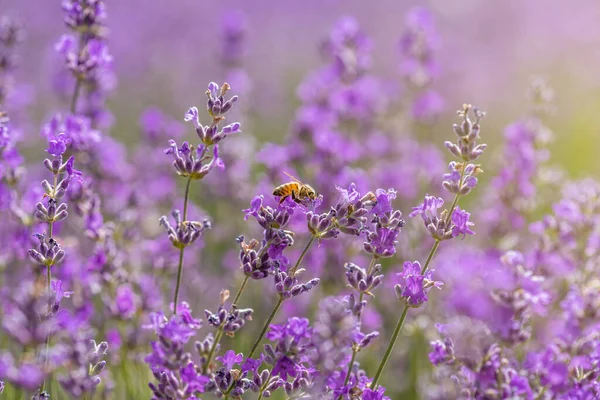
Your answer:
<point x="296" y="285"/>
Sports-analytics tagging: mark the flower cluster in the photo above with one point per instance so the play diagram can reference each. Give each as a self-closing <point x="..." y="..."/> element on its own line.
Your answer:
<point x="386" y="225"/>
<point x="11" y="36"/>
<point x="415" y="284"/>
<point x="259" y="260"/>
<point x="85" y="363"/>
<point x="418" y="66"/>
<point x="175" y="373"/>
<point x="230" y="321"/>
<point x="185" y="232"/>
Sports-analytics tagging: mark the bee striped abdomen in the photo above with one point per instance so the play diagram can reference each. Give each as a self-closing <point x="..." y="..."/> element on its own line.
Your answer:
<point x="285" y="189"/>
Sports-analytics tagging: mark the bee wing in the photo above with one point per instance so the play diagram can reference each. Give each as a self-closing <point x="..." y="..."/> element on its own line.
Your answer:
<point x="294" y="178"/>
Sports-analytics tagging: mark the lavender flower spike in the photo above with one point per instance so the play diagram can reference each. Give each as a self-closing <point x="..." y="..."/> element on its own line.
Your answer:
<point x="413" y="290"/>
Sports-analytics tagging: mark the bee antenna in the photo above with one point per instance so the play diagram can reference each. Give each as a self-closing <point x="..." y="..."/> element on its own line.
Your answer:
<point x="293" y="177"/>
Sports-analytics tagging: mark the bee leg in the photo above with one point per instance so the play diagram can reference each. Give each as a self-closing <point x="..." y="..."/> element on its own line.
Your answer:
<point x="282" y="199"/>
<point x="295" y="198"/>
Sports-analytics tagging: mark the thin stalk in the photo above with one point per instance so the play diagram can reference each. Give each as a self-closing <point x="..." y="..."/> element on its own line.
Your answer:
<point x="369" y="271"/>
<point x="78" y="80"/>
<point x="49" y="286"/>
<point x="430" y="256"/>
<point x="240" y="290"/>
<point x="73" y="106"/>
<point x="390" y="348"/>
<point x="392" y="343"/>
<point x="280" y="301"/>
<point x="292" y="271"/>
<point x="262" y="390"/>
<point x="220" y="331"/>
<point x="349" y="371"/>
<point x="356" y="350"/>
<point x="182" y="250"/>
<point x="266" y="327"/>
<point x="185" y="198"/>
<point x="434" y="248"/>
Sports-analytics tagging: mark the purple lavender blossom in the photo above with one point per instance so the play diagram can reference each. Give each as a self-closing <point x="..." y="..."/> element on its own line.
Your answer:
<point x="169" y="361"/>
<point x="85" y="358"/>
<point x="86" y="15"/>
<point x="436" y="225"/>
<point x="85" y="62"/>
<point x="229" y="320"/>
<point x="126" y="302"/>
<point x="217" y="108"/>
<point x="415" y="285"/>
<point x="230" y="359"/>
<point x="386" y="225"/>
<point x="462" y="225"/>
<point x="185" y="232"/>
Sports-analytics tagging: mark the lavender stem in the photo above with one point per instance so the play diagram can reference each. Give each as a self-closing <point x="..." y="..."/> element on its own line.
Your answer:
<point x="390" y="348"/>
<point x="266" y="327"/>
<point x="219" y="333"/>
<point x="280" y="301"/>
<point x="49" y="288"/>
<point x="355" y="350"/>
<point x="181" y="251"/>
<point x="73" y="106"/>
<point x="392" y="343"/>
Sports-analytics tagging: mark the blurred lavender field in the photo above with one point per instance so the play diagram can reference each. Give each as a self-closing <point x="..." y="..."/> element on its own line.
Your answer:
<point x="135" y="195"/>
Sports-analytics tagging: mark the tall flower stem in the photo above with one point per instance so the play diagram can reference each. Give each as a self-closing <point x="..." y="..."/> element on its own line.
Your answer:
<point x="280" y="300"/>
<point x="182" y="250"/>
<point x="355" y="350"/>
<point x="49" y="287"/>
<point x="73" y="106"/>
<point x="78" y="80"/>
<point x="266" y="327"/>
<point x="390" y="348"/>
<point x="50" y="232"/>
<point x="400" y="323"/>
<point x="220" y="330"/>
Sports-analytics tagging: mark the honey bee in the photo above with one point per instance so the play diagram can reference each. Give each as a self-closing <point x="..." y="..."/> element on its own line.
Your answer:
<point x="296" y="189"/>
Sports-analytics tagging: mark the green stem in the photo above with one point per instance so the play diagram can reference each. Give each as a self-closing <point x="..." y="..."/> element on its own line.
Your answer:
<point x="430" y="256"/>
<point x="75" y="96"/>
<point x="362" y="294"/>
<point x="178" y="284"/>
<point x="291" y="272"/>
<point x="185" y="198"/>
<point x="265" y="327"/>
<point x="390" y="348"/>
<point x="219" y="333"/>
<point x="434" y="248"/>
<point x="392" y="343"/>
<point x="454" y="203"/>
<point x="355" y="350"/>
<point x="49" y="286"/>
<point x="240" y="290"/>
<point x="182" y="250"/>
<point x="262" y="390"/>
<point x="354" y="353"/>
